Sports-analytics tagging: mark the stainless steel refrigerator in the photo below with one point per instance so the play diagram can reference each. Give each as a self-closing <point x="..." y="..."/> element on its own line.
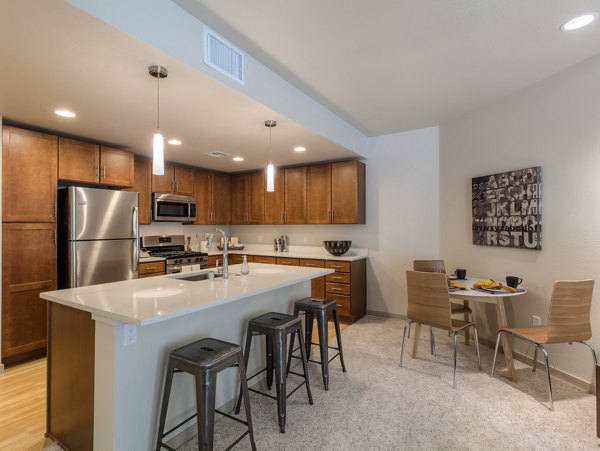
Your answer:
<point x="98" y="236"/>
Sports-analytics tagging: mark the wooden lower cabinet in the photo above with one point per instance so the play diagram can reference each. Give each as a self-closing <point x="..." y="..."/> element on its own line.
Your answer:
<point x="71" y="349"/>
<point x="288" y="261"/>
<point x="264" y="259"/>
<point x="28" y="269"/>
<point x="348" y="287"/>
<point x="151" y="269"/>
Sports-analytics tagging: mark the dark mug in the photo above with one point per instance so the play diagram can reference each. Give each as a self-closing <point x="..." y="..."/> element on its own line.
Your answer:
<point x="513" y="281"/>
<point x="460" y="273"/>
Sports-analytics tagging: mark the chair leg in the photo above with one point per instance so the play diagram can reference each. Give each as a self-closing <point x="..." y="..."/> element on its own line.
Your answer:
<point x="291" y="348"/>
<point x="455" y="350"/>
<point x="466" y="318"/>
<point x="308" y="330"/>
<point x="323" y="347"/>
<point x="269" y="346"/>
<point x="305" y="367"/>
<point x="246" y="394"/>
<point x="593" y="352"/>
<point x="495" y="353"/>
<point x="338" y="335"/>
<point x="246" y="357"/>
<point x="164" y="405"/>
<point x="205" y="401"/>
<point x="279" y="345"/>
<point x="406" y="329"/>
<point x="432" y="340"/>
<point x="476" y="338"/>
<point x="548" y="377"/>
<point x="534" y="358"/>
<point x="409" y="324"/>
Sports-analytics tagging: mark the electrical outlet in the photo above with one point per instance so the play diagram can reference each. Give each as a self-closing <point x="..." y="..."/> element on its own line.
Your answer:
<point x="130" y="334"/>
<point x="536" y="321"/>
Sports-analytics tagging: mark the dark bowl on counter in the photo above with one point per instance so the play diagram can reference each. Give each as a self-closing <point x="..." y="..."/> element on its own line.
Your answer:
<point x="337" y="248"/>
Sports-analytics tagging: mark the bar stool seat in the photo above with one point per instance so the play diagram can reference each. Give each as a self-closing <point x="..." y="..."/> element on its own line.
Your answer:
<point x="275" y="327"/>
<point x="204" y="359"/>
<point x="319" y="308"/>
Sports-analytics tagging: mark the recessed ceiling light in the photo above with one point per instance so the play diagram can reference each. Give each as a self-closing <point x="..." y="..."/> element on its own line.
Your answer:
<point x="238" y="159"/>
<point x="64" y="113"/>
<point x="174" y="142"/>
<point x="579" y="21"/>
<point x="299" y="149"/>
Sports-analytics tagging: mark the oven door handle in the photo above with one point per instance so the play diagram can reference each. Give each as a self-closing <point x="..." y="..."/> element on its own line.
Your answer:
<point x="174" y="269"/>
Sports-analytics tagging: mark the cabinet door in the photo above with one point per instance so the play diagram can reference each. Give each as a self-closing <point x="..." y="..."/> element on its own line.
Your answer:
<point x="164" y="183"/>
<point x="221" y="195"/>
<point x="28" y="268"/>
<point x="29" y="176"/>
<point x="255" y="198"/>
<point x="275" y="201"/>
<point x="318" y="181"/>
<point x="78" y="161"/>
<point x="184" y="181"/>
<point x="295" y="196"/>
<point x="238" y="199"/>
<point x="117" y="167"/>
<point x="141" y="185"/>
<point x="203" y="195"/>
<point x="348" y="192"/>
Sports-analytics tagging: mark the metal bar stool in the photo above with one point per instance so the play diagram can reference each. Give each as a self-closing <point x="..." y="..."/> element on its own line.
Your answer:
<point x="320" y="308"/>
<point x="204" y="359"/>
<point x="275" y="327"/>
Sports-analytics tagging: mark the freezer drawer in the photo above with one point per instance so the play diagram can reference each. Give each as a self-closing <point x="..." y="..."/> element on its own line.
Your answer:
<point x="94" y="262"/>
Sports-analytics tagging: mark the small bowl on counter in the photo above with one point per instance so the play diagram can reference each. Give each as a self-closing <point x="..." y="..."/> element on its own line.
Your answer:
<point x="337" y="248"/>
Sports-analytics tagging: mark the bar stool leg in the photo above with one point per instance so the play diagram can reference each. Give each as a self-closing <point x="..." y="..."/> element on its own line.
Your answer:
<point x="164" y="405"/>
<point x="305" y="367"/>
<point x="246" y="357"/>
<point x="323" y="347"/>
<point x="205" y="399"/>
<point x="308" y="329"/>
<point x="338" y="336"/>
<point x="269" y="343"/>
<point x="279" y="346"/>
<point x="290" y="350"/>
<point x="246" y="394"/>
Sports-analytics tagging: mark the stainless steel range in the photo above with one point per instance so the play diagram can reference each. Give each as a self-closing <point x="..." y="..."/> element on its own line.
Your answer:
<point x="172" y="248"/>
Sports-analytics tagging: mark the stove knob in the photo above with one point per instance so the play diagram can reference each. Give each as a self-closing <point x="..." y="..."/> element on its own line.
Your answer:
<point x="189" y="260"/>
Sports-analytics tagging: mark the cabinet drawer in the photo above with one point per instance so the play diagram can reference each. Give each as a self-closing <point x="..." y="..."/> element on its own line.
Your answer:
<point x="288" y="261"/>
<point x="339" y="277"/>
<point x="338" y="266"/>
<point x="151" y="268"/>
<point x="235" y="259"/>
<point x="312" y="262"/>
<point x="261" y="259"/>
<point x="343" y="304"/>
<point x="337" y="288"/>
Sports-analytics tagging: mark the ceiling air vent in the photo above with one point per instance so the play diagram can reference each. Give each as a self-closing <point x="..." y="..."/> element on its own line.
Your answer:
<point x="222" y="56"/>
<point x="218" y="154"/>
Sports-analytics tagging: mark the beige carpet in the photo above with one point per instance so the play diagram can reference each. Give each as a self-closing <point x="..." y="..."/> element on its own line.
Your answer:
<point x="378" y="405"/>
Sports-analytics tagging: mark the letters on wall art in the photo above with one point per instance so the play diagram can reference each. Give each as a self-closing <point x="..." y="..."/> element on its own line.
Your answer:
<point x="507" y="209"/>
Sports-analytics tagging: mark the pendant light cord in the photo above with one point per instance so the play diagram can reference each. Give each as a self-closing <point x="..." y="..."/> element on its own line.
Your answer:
<point x="158" y="101"/>
<point x="270" y="145"/>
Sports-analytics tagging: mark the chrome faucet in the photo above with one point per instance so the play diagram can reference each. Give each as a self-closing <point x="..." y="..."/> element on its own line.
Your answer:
<point x="225" y="250"/>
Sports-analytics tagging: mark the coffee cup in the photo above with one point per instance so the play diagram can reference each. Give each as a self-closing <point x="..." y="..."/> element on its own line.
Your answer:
<point x="460" y="273"/>
<point x="513" y="281"/>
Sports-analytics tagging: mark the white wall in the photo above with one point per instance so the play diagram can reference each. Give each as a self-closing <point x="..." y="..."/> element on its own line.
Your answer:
<point x="402" y="216"/>
<point x="554" y="124"/>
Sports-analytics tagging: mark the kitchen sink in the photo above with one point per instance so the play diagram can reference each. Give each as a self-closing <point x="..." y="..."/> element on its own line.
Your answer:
<point x="196" y="277"/>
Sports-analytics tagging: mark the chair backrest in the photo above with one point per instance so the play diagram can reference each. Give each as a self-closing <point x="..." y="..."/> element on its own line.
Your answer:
<point x="569" y="314"/>
<point x="429" y="266"/>
<point x="428" y="299"/>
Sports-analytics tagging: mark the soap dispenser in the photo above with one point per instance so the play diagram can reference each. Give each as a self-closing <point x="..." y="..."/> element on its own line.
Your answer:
<point x="245" y="270"/>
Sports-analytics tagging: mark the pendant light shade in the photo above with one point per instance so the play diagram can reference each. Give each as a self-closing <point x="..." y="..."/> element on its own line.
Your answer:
<point x="270" y="167"/>
<point x="158" y="145"/>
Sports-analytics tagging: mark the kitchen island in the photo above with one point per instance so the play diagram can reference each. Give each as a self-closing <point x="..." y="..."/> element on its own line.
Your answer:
<point x="108" y="346"/>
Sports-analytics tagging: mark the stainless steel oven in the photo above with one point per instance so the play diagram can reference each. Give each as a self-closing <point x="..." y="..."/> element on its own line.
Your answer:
<point x="173" y="208"/>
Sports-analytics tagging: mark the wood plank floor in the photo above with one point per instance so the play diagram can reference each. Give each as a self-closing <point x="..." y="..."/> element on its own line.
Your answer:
<point x="23" y="407"/>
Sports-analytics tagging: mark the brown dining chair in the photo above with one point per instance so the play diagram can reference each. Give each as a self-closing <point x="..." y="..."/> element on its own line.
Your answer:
<point x="429" y="304"/>
<point x="568" y="322"/>
<point x="457" y="309"/>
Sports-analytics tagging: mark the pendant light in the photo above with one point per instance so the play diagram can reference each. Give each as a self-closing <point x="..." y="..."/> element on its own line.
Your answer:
<point x="158" y="145"/>
<point x="270" y="167"/>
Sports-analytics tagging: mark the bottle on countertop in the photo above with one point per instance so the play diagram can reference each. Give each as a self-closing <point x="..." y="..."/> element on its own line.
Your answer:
<point x="284" y="243"/>
<point x="245" y="270"/>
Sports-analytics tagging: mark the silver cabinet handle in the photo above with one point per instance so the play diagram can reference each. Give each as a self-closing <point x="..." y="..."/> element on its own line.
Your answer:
<point x="332" y="215"/>
<point x="151" y="267"/>
<point x="336" y="277"/>
<point x="310" y="264"/>
<point x="55" y="209"/>
<point x="98" y="172"/>
<point x="336" y="289"/>
<point x="282" y="218"/>
<point x="285" y="217"/>
<point x="340" y="305"/>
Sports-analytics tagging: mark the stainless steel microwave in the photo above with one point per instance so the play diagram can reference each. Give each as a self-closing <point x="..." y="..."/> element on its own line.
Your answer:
<point x="173" y="208"/>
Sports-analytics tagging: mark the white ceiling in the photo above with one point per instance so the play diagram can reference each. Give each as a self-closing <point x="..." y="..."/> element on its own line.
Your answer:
<point x="56" y="56"/>
<point x="387" y="66"/>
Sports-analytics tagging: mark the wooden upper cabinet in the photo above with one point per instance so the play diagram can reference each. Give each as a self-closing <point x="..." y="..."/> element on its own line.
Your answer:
<point x="164" y="183"/>
<point x="184" y="181"/>
<point x="295" y="195"/>
<point x="238" y="199"/>
<point x="318" y="181"/>
<point x="175" y="180"/>
<point x="348" y="192"/>
<point x="29" y="175"/>
<point x="78" y="161"/>
<point x="203" y="195"/>
<point x="117" y="167"/>
<point x="275" y="201"/>
<point x="255" y="198"/>
<point x="141" y="185"/>
<point x="221" y="195"/>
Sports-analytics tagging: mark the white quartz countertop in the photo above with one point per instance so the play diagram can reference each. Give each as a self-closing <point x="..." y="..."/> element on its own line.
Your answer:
<point x="151" y="259"/>
<point x="155" y="299"/>
<point x="298" y="252"/>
